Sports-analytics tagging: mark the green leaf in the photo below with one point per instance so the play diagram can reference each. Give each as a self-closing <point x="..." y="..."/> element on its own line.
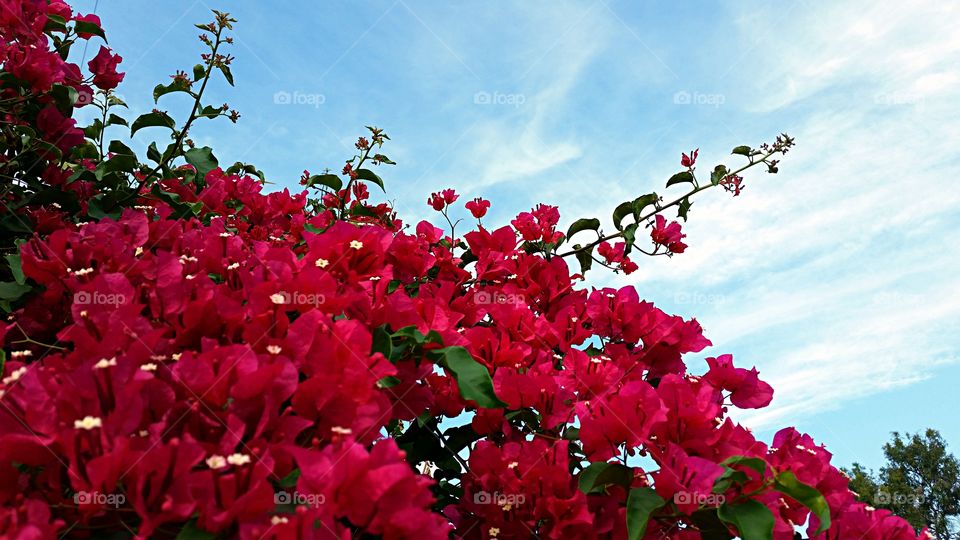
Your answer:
<point x="641" y="504"/>
<point x="65" y="97"/>
<point x="388" y="382"/>
<point x="634" y="207"/>
<point x="787" y="483"/>
<point x="153" y="153"/>
<point x="16" y="268"/>
<point x="11" y="290"/>
<point x="382" y="342"/>
<point x="55" y="23"/>
<point x="755" y="463"/>
<point x="94" y="130"/>
<point x="47" y="150"/>
<point x="198" y="72"/>
<point x="226" y="73"/>
<point x="95" y="209"/>
<point x="290" y="480"/>
<point x="117" y="147"/>
<point x="202" y="159"/>
<point x="152" y="119"/>
<point x="597" y="476"/>
<point x="728" y="478"/>
<point x="630" y="237"/>
<point x="123" y="160"/>
<point x="472" y="377"/>
<point x="191" y="531"/>
<point x="118" y="163"/>
<point x="642" y="202"/>
<point x="684" y="208"/>
<point x="680" y="177"/>
<point x="209" y="111"/>
<point x="622" y="210"/>
<point x="709" y="525"/>
<point x="88" y="27"/>
<point x="584" y="257"/>
<point x="163" y="89"/>
<point x="718" y="174"/>
<point x="583" y="224"/>
<point x="114" y="120"/>
<point x="752" y="519"/>
<point x="370" y="176"/>
<point x="742" y="150"/>
<point x="332" y="181"/>
<point x="114" y="101"/>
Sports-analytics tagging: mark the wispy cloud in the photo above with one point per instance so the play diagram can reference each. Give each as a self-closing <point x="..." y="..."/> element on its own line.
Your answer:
<point x="836" y="280"/>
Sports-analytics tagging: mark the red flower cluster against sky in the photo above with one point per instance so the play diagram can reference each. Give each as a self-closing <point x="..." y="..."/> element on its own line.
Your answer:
<point x="264" y="368"/>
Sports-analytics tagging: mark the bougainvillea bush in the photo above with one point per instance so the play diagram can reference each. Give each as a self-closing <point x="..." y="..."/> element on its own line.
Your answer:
<point x="189" y="356"/>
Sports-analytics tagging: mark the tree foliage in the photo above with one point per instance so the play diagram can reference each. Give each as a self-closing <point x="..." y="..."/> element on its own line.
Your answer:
<point x="920" y="482"/>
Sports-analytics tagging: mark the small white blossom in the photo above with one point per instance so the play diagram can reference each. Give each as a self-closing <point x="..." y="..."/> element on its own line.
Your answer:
<point x="216" y="462"/>
<point x="88" y="423"/>
<point x="105" y="363"/>
<point x="15" y="376"/>
<point x="238" y="459"/>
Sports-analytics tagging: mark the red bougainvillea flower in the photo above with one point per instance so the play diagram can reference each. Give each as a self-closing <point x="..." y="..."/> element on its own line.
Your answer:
<point x="227" y="362"/>
<point x="539" y="224"/>
<point x="91" y="18"/>
<point x="104" y="69"/>
<point x="733" y="184"/>
<point x="668" y="236"/>
<point x="58" y="129"/>
<point x="747" y="391"/>
<point x="478" y="207"/>
<point x="436" y="202"/>
<point x="689" y="160"/>
<point x="442" y="199"/>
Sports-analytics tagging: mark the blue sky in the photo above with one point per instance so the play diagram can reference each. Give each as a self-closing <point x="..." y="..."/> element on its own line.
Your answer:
<point x="838" y="277"/>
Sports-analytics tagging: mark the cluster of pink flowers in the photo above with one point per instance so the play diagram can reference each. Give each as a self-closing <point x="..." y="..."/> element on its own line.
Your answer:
<point x="206" y="362"/>
<point x="668" y="235"/>
<point x="262" y="369"/>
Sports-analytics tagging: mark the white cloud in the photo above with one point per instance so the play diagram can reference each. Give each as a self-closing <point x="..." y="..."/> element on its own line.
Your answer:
<point x="842" y="270"/>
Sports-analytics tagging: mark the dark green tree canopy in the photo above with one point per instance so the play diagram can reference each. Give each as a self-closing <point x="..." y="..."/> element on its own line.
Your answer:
<point x="920" y="482"/>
